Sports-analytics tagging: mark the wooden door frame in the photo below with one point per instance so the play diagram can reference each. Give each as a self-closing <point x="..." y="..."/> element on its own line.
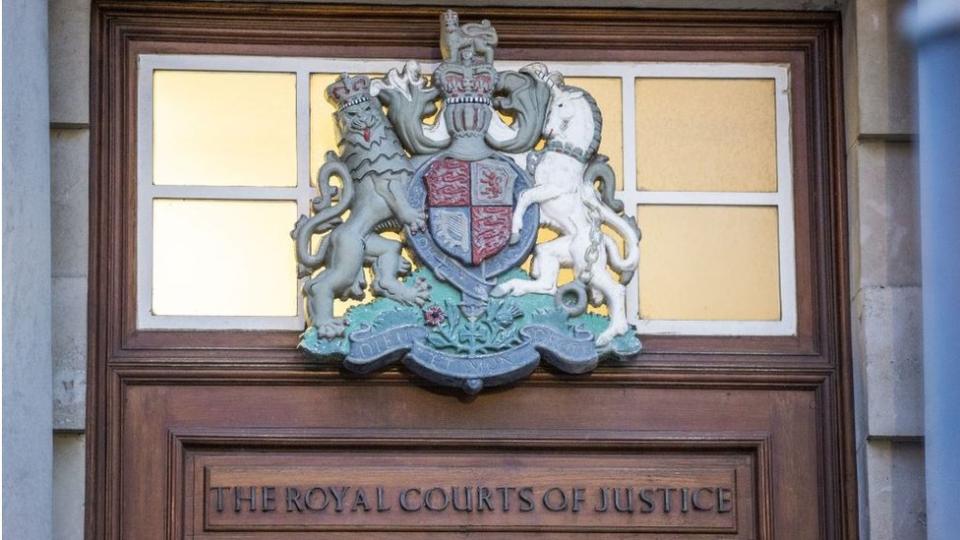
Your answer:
<point x="817" y="358"/>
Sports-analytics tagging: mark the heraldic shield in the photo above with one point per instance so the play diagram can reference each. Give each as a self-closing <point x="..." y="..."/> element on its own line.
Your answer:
<point x="470" y="206"/>
<point x="468" y="196"/>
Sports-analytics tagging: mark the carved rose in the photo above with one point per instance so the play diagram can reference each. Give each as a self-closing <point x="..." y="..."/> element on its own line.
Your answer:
<point x="434" y="315"/>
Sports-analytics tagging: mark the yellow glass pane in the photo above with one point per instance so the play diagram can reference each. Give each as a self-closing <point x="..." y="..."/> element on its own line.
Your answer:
<point x="608" y="93"/>
<point x="706" y="135"/>
<point x="709" y="263"/>
<point x="224" y="258"/>
<point x="323" y="127"/>
<point x="224" y="128"/>
<point x="438" y="103"/>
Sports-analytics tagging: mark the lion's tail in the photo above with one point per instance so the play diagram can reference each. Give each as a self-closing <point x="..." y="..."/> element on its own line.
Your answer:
<point x="327" y="214"/>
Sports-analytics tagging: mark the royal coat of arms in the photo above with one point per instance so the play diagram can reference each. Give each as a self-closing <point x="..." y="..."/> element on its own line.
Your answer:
<point x="468" y="195"/>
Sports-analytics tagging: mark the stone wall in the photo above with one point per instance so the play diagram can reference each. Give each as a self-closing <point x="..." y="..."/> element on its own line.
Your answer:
<point x="69" y="30"/>
<point x="883" y="206"/>
<point x="27" y="429"/>
<point x="884" y="246"/>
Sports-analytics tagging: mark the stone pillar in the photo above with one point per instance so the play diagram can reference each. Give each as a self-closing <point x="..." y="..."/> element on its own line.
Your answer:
<point x="69" y="36"/>
<point x="27" y="376"/>
<point x="885" y="275"/>
<point x="938" y="41"/>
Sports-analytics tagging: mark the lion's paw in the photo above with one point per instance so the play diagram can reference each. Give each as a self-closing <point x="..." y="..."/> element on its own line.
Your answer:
<point x="415" y="221"/>
<point x="331" y="328"/>
<point x="416" y="294"/>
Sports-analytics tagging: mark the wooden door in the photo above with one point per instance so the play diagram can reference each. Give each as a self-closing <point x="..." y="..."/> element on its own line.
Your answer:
<point x="234" y="434"/>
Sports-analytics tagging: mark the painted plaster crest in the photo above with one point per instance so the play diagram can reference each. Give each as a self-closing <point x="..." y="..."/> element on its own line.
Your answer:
<point x="468" y="195"/>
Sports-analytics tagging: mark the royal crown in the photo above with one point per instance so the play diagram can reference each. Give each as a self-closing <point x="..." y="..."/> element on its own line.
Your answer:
<point x="347" y="91"/>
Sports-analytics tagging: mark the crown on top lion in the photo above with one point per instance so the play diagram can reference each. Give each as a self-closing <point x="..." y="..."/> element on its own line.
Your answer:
<point x="347" y="91"/>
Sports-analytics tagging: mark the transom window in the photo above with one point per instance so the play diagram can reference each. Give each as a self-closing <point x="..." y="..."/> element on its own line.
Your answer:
<point x="228" y="148"/>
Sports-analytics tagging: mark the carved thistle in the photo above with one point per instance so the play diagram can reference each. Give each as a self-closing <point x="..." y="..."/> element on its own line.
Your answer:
<point x="461" y="312"/>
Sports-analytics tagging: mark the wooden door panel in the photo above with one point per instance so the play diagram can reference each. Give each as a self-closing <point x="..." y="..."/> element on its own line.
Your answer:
<point x="177" y="418"/>
<point x="201" y="439"/>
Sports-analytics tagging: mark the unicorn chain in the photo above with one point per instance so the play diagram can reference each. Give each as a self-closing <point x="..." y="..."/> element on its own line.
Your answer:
<point x="593" y="251"/>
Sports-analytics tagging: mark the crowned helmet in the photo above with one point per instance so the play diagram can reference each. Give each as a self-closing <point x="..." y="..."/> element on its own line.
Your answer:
<point x="347" y="91"/>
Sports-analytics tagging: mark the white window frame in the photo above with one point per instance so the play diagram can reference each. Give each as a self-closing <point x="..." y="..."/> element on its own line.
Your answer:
<point x="303" y="192"/>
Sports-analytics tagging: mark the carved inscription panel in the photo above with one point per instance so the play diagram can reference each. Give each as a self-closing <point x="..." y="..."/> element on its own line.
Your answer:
<point x="698" y="493"/>
<point x="261" y="461"/>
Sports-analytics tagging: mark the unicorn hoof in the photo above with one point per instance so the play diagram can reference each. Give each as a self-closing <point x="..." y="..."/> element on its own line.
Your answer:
<point x="613" y="331"/>
<point x="604" y="339"/>
<point x="514" y="238"/>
